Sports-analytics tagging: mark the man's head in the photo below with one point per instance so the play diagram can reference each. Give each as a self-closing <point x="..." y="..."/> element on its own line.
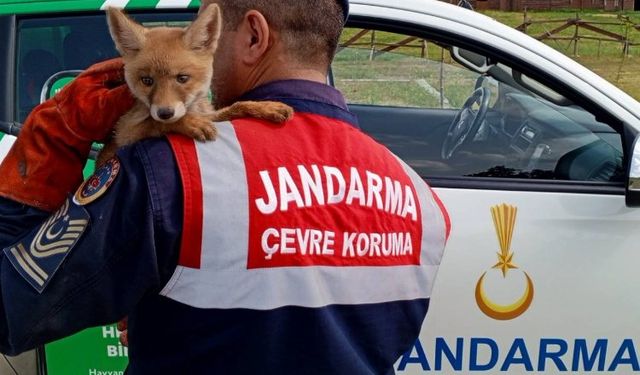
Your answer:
<point x="265" y="40"/>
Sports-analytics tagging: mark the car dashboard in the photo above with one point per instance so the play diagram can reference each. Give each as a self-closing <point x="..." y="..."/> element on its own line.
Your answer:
<point x="543" y="141"/>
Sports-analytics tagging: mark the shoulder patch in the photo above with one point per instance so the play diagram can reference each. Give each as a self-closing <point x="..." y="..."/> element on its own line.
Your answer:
<point x="98" y="184"/>
<point x="38" y="256"/>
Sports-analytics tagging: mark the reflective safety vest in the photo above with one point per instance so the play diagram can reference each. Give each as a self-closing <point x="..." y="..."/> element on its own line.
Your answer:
<point x="309" y="214"/>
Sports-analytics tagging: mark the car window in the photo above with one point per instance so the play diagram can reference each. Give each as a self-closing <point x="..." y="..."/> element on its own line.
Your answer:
<point x="386" y="69"/>
<point x="453" y="113"/>
<point x="46" y="46"/>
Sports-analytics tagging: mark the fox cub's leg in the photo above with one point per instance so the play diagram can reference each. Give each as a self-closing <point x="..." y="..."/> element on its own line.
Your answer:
<point x="137" y="125"/>
<point x="270" y="111"/>
<point x="128" y="132"/>
<point x="125" y="132"/>
<point x="194" y="125"/>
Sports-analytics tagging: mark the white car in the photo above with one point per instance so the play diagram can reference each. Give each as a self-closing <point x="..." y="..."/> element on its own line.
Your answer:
<point x="534" y="156"/>
<point x="536" y="171"/>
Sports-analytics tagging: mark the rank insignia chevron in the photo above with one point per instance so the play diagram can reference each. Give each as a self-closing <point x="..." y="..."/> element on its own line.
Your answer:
<point x="39" y="255"/>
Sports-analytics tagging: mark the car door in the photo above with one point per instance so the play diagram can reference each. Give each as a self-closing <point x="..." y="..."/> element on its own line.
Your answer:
<point x="539" y="270"/>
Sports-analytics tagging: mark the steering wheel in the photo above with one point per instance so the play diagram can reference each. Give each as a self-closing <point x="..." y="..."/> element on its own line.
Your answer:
<point x="467" y="122"/>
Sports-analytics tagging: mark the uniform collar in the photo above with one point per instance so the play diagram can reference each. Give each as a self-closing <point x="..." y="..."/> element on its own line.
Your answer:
<point x="305" y="96"/>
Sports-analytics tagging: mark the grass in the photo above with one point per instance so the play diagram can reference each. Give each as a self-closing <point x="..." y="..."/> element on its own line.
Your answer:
<point x="398" y="79"/>
<point x="406" y="77"/>
<point x="411" y="76"/>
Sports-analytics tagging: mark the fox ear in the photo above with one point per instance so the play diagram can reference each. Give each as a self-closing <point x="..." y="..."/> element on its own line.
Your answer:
<point x="204" y="33"/>
<point x="126" y="33"/>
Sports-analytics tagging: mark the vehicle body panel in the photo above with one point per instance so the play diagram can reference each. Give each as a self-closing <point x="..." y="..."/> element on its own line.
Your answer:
<point x="579" y="251"/>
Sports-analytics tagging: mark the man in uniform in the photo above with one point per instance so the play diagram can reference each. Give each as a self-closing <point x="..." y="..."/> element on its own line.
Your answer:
<point x="301" y="248"/>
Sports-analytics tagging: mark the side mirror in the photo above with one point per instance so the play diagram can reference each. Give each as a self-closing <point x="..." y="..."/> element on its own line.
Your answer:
<point x="632" y="195"/>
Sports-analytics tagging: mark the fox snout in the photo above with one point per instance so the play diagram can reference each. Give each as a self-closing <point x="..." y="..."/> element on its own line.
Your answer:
<point x="167" y="113"/>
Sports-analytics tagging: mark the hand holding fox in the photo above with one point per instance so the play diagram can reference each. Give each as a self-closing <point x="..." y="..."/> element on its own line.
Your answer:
<point x="46" y="161"/>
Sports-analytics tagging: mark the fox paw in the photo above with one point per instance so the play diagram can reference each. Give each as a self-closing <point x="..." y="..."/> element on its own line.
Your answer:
<point x="276" y="112"/>
<point x="201" y="129"/>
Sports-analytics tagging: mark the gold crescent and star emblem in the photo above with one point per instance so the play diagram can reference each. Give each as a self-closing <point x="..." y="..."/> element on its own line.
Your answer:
<point x="504" y="220"/>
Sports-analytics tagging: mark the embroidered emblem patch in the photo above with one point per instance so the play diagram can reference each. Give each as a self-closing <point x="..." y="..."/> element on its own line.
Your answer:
<point x="38" y="256"/>
<point x="97" y="184"/>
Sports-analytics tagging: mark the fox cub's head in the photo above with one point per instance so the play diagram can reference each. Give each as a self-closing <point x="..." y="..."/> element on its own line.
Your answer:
<point x="167" y="68"/>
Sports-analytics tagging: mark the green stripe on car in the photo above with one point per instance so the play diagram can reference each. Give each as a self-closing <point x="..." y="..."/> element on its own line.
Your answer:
<point x="136" y="4"/>
<point x="49" y="6"/>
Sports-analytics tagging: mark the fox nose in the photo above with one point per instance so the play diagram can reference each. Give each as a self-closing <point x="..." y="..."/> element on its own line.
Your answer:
<point x="165" y="113"/>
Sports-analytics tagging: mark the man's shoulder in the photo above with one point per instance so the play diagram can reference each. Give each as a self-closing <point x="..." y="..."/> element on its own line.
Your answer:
<point x="152" y="158"/>
<point x="149" y="152"/>
<point x="156" y="146"/>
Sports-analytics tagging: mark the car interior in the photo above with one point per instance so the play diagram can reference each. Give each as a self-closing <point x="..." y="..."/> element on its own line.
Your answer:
<point x="508" y="126"/>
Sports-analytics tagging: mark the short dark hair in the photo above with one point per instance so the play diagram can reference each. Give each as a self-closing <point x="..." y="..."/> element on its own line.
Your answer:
<point x="310" y="28"/>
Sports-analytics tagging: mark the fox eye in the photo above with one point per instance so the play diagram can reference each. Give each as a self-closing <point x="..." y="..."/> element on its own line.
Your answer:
<point x="147" y="81"/>
<point x="182" y="78"/>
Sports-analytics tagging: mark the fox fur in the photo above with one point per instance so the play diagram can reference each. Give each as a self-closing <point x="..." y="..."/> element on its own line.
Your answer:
<point x="169" y="70"/>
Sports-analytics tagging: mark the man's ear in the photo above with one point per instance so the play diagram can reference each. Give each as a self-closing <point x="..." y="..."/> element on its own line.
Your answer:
<point x="126" y="33"/>
<point x="256" y="37"/>
<point x="203" y="34"/>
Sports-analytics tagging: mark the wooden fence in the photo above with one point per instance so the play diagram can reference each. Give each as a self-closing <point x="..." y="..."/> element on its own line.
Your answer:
<point x="367" y="39"/>
<point x="520" y="5"/>
<point x="595" y="31"/>
<point x="554" y="30"/>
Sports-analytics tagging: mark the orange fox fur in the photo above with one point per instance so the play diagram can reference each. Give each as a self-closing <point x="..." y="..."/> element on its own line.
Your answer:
<point x="169" y="70"/>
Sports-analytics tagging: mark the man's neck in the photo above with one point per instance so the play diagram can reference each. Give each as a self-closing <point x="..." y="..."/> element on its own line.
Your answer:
<point x="279" y="69"/>
<point x="303" y="74"/>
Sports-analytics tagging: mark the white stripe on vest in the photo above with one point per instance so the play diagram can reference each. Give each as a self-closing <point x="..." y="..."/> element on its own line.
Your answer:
<point x="432" y="211"/>
<point x="224" y="280"/>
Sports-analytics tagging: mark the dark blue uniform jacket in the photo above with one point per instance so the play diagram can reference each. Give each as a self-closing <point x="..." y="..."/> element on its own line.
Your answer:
<point x="129" y="251"/>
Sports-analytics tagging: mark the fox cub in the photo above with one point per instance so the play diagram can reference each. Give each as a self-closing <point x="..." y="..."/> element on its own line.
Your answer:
<point x="169" y="70"/>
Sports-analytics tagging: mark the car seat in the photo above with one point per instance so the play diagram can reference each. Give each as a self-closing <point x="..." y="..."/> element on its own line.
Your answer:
<point x="596" y="161"/>
<point x="35" y="68"/>
<point x="84" y="47"/>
